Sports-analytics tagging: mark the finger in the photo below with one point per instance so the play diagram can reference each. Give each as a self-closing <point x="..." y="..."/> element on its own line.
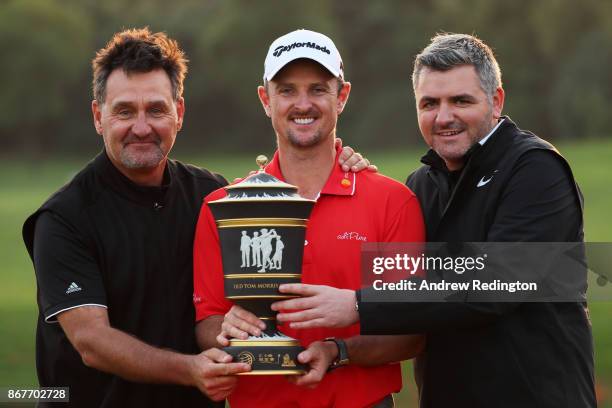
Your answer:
<point x="222" y="339"/>
<point x="217" y="355"/>
<point x="220" y="393"/>
<point x="234" y="332"/>
<point x="228" y="390"/>
<point x="310" y="379"/>
<point x="240" y="314"/>
<point x="346" y="158"/>
<point x="301" y="316"/>
<point x="295" y="304"/>
<point x="236" y="327"/>
<point x="356" y="161"/>
<point x="306" y="380"/>
<point x="345" y="154"/>
<point x="221" y="370"/>
<point x="302" y="289"/>
<point x="360" y="165"/>
<point x="219" y="383"/>
<point x="309" y="324"/>
<point x="373" y="168"/>
<point x="235" y="368"/>
<point x="338" y="142"/>
<point x="305" y="356"/>
<point x="217" y="396"/>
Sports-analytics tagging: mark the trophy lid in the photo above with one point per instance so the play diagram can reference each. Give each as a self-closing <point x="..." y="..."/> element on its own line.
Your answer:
<point x="261" y="180"/>
<point x="261" y="186"/>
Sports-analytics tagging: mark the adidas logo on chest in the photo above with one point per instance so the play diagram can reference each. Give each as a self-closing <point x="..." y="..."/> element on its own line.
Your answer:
<point x="73" y="288"/>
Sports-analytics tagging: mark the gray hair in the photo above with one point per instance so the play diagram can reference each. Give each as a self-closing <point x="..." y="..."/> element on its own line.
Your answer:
<point x="448" y="50"/>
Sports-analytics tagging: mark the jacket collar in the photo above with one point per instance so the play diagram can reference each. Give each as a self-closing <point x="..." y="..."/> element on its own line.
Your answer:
<point x="432" y="159"/>
<point x="478" y="158"/>
<point x="339" y="182"/>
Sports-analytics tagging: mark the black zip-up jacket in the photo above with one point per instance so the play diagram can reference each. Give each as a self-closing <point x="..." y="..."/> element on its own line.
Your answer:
<point x="514" y="188"/>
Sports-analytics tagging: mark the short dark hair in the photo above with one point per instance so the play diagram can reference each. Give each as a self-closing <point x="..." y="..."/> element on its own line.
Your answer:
<point x="139" y="50"/>
<point x="448" y="50"/>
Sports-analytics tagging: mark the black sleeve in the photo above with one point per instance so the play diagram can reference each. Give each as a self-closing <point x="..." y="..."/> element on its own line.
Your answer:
<point x="409" y="179"/>
<point x="539" y="204"/>
<point x="67" y="273"/>
<point x="221" y="180"/>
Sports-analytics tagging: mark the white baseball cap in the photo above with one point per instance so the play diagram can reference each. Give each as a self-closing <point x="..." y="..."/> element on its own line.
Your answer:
<point x="303" y="44"/>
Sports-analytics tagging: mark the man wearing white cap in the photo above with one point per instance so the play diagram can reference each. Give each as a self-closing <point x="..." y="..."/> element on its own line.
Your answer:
<point x="483" y="180"/>
<point x="303" y="93"/>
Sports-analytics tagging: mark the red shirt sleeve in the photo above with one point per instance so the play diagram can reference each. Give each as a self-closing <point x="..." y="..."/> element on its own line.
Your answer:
<point x="405" y="234"/>
<point x="209" y="294"/>
<point x="407" y="225"/>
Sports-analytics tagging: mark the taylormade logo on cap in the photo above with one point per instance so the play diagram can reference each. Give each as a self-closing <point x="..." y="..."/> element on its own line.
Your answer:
<point x="302" y="44"/>
<point x="281" y="48"/>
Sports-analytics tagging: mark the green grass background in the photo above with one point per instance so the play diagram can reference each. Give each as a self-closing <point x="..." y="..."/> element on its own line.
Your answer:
<point x="24" y="185"/>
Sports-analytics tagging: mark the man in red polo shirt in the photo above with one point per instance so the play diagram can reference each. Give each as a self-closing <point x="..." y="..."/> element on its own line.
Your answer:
<point x="303" y="93"/>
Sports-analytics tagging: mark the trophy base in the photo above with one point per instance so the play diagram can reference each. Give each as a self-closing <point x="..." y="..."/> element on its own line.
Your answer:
<point x="268" y="354"/>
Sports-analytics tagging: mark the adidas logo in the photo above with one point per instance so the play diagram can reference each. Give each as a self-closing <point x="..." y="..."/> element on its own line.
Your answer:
<point x="73" y="288"/>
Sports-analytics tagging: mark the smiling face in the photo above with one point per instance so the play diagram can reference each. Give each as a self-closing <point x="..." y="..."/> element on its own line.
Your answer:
<point x="138" y="121"/>
<point x="304" y="103"/>
<point x="454" y="112"/>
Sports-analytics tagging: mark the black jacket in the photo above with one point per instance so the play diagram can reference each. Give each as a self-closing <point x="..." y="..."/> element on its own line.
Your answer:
<point x="515" y="187"/>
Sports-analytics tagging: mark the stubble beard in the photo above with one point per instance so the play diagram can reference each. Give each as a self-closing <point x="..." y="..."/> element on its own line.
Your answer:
<point x="456" y="152"/>
<point x="314" y="140"/>
<point x="149" y="158"/>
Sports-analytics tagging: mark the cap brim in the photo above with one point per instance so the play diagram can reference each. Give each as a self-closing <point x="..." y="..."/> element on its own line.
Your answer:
<point x="271" y="74"/>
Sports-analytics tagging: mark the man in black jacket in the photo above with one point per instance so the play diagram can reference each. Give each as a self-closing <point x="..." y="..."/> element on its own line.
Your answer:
<point x="483" y="180"/>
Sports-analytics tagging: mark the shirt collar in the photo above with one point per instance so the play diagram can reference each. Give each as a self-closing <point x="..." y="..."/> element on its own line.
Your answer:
<point x="339" y="182"/>
<point x="484" y="139"/>
<point x="118" y="182"/>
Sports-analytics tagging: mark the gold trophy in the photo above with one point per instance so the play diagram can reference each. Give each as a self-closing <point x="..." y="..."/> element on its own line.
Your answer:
<point x="262" y="227"/>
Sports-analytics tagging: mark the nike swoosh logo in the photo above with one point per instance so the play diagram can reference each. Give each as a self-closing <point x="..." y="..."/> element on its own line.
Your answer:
<point x="484" y="182"/>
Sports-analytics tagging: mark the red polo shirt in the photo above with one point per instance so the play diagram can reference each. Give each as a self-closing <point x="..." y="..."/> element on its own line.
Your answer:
<point x="371" y="208"/>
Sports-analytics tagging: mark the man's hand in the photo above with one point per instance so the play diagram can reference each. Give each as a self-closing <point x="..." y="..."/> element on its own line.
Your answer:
<point x="319" y="306"/>
<point x="214" y="374"/>
<point x="353" y="161"/>
<point x="110" y="350"/>
<point x="319" y="356"/>
<point x="240" y="324"/>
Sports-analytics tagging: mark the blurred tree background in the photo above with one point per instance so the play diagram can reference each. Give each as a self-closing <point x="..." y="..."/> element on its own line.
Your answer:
<point x="555" y="56"/>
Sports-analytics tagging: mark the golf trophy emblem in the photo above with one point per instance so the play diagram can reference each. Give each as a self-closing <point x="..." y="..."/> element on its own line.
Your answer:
<point x="262" y="227"/>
